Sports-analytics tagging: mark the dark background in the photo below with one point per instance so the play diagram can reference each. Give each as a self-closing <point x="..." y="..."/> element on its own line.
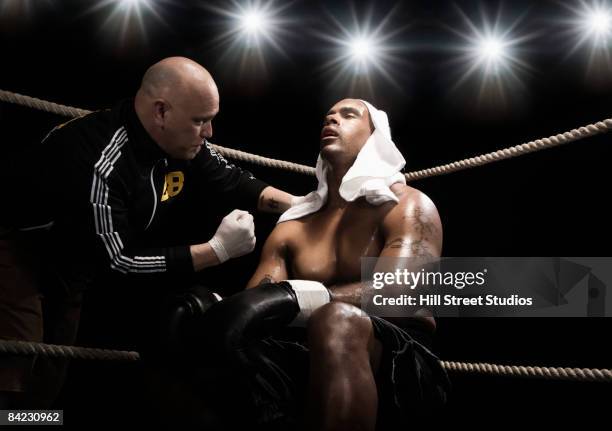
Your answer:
<point x="551" y="203"/>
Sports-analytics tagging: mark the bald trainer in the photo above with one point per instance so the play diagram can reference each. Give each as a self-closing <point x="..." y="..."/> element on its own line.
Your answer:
<point x="93" y="198"/>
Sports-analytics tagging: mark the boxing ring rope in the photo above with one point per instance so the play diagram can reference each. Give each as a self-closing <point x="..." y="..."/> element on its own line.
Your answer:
<point x="42" y="105"/>
<point x="10" y="347"/>
<point x="472" y="162"/>
<point x="550" y="373"/>
<point x="28" y="348"/>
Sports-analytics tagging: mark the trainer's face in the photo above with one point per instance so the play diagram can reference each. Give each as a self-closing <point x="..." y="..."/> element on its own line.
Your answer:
<point x="188" y="122"/>
<point x="345" y="131"/>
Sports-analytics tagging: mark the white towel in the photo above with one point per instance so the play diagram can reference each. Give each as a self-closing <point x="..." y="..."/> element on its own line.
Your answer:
<point x="376" y="167"/>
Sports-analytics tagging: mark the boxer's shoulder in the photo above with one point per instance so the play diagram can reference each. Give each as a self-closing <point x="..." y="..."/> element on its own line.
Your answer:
<point x="410" y="197"/>
<point x="412" y="204"/>
<point x="286" y="232"/>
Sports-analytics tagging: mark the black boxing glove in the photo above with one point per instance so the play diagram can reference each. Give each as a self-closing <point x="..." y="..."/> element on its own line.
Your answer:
<point x="231" y="324"/>
<point x="179" y="314"/>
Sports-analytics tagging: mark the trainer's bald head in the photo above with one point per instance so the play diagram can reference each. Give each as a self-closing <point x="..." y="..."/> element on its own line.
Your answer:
<point x="176" y="104"/>
<point x="177" y="77"/>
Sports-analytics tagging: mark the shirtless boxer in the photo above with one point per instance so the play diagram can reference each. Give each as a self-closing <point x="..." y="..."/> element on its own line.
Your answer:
<point x="326" y="247"/>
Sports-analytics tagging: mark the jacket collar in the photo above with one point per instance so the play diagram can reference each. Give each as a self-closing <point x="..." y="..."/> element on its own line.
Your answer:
<point x="144" y="146"/>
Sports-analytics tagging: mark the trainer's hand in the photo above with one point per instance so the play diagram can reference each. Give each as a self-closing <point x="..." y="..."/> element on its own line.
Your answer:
<point x="235" y="236"/>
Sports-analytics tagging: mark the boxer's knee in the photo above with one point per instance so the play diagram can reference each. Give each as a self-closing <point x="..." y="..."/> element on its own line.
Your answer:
<point x="339" y="329"/>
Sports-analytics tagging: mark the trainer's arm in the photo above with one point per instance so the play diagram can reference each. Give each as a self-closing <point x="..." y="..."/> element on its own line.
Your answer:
<point x="238" y="186"/>
<point x="203" y="256"/>
<point x="412" y="229"/>
<point x="274" y="200"/>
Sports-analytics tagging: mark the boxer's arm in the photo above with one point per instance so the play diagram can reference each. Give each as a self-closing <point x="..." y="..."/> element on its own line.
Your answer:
<point x="273" y="263"/>
<point x="412" y="229"/>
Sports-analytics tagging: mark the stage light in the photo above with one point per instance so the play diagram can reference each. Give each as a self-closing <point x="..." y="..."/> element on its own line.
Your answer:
<point x="360" y="52"/>
<point x="593" y="22"/>
<point x="131" y="6"/>
<point x="126" y="18"/>
<point x="361" y="49"/>
<point x="250" y="29"/>
<point x="599" y="22"/>
<point x="132" y="3"/>
<point x="489" y="55"/>
<point x="254" y="22"/>
<point x="250" y="22"/>
<point x="491" y="49"/>
<point x="590" y="28"/>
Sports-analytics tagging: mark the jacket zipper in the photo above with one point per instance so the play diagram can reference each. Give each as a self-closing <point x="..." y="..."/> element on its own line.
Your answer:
<point x="154" y="191"/>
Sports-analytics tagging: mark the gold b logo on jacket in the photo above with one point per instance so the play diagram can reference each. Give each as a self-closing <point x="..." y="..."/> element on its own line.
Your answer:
<point x="173" y="184"/>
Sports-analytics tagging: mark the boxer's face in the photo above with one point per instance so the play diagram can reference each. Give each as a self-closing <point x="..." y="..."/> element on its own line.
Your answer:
<point x="188" y="122"/>
<point x="345" y="131"/>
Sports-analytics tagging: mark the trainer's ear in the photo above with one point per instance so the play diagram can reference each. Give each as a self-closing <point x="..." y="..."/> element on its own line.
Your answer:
<point x="160" y="110"/>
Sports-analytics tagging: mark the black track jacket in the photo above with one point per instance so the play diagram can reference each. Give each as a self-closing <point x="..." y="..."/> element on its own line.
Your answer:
<point x="98" y="182"/>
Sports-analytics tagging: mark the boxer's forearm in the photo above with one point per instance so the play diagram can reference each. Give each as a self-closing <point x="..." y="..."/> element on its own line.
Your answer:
<point x="274" y="200"/>
<point x="349" y="293"/>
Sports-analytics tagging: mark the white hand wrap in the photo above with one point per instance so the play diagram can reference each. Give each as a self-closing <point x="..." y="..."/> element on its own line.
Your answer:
<point x="310" y="296"/>
<point x="235" y="236"/>
<point x="219" y="250"/>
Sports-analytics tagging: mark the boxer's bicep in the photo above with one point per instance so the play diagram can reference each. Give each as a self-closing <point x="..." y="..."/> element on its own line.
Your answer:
<point x="413" y="229"/>
<point x="272" y="264"/>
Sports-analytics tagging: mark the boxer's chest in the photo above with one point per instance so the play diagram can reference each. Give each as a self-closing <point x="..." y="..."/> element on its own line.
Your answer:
<point x="330" y="244"/>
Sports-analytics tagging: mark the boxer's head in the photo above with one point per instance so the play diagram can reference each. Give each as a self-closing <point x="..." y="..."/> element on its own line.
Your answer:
<point x="176" y="103"/>
<point x="346" y="129"/>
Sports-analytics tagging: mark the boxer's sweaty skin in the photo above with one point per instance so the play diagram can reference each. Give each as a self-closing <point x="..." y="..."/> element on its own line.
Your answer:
<point x="327" y="246"/>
